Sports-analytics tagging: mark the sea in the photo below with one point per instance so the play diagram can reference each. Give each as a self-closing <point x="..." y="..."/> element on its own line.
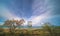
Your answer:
<point x="36" y="27"/>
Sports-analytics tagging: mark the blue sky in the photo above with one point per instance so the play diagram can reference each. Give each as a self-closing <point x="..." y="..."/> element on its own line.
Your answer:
<point x="38" y="11"/>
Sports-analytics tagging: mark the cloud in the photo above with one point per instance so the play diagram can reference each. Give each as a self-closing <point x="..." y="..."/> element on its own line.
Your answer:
<point x="5" y="13"/>
<point x="41" y="6"/>
<point x="41" y="11"/>
<point x="37" y="20"/>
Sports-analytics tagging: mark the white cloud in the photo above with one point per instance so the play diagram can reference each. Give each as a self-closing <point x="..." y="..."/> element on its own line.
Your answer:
<point x="41" y="10"/>
<point x="4" y="12"/>
<point x="37" y="20"/>
<point x="38" y="7"/>
<point x="41" y="6"/>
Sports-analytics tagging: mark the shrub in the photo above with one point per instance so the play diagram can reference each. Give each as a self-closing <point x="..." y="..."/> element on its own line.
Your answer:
<point x="1" y="29"/>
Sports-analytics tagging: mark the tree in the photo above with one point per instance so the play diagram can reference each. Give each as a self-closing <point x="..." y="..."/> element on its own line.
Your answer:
<point x="20" y="22"/>
<point x="48" y="27"/>
<point x="7" y="23"/>
<point x="13" y="23"/>
<point x="10" y="24"/>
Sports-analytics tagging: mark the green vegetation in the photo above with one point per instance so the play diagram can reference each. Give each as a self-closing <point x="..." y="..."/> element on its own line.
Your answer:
<point x="46" y="30"/>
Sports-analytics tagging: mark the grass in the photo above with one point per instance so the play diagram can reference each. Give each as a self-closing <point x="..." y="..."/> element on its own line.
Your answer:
<point x="26" y="32"/>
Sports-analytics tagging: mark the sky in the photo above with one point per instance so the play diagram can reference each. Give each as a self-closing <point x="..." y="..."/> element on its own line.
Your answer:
<point x="37" y="11"/>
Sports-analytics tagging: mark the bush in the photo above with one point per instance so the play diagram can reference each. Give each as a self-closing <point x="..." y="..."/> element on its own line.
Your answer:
<point x="1" y="30"/>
